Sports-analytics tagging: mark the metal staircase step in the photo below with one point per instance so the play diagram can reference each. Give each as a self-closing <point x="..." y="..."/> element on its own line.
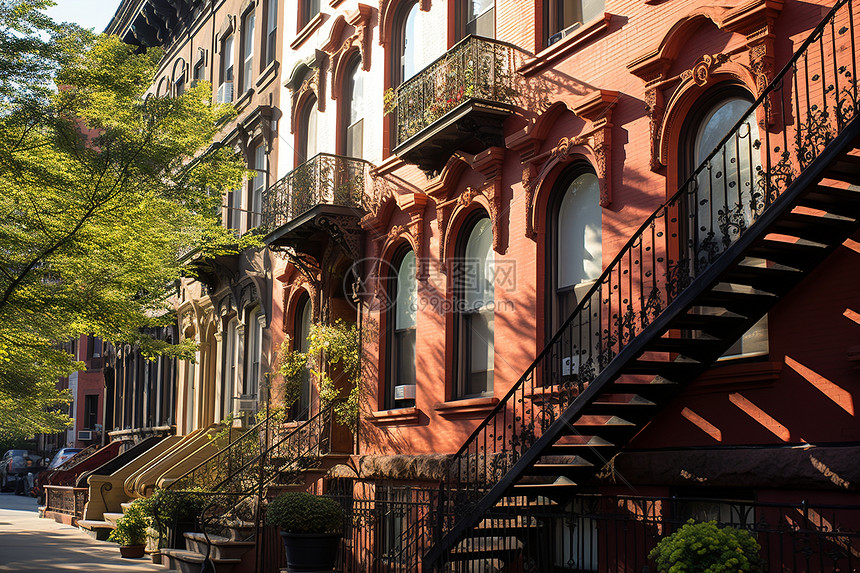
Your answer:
<point x="586" y="447"/>
<point x="610" y="428"/>
<point x="819" y="229"/>
<point x="844" y="202"/>
<point x="701" y="349"/>
<point x="502" y="525"/>
<point x="717" y="325"/>
<point x="775" y="281"/>
<point x="795" y="255"/>
<point x="496" y="547"/>
<point x="655" y="391"/>
<point x="846" y="168"/>
<point x="746" y="304"/>
<point x="674" y="371"/>
<point x="553" y="491"/>
<point x="624" y="405"/>
<point x="572" y="471"/>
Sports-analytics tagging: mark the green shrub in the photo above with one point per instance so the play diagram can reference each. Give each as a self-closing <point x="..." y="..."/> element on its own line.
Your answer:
<point x="706" y="548"/>
<point x="131" y="527"/>
<point x="175" y="506"/>
<point x="299" y="512"/>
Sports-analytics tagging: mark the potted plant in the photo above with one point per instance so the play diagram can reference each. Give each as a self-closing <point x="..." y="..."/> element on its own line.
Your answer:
<point x="130" y="532"/>
<point x="173" y="513"/>
<point x="707" y="548"/>
<point x="311" y="527"/>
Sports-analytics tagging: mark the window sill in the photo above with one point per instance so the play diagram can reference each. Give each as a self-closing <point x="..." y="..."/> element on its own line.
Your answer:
<point x="468" y="407"/>
<point x="399" y="417"/>
<point x="268" y="75"/>
<point x="309" y="29"/>
<point x="745" y="375"/>
<point x="244" y="100"/>
<point x="551" y="55"/>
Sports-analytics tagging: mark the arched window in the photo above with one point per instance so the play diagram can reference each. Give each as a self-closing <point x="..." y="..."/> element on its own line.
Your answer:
<point x="406" y="48"/>
<point x="230" y="368"/>
<point x="254" y="354"/>
<point x="307" y="133"/>
<point x="353" y="110"/>
<point x="258" y="185"/>
<point x="722" y="205"/>
<point x="178" y="78"/>
<point x="575" y="247"/>
<point x="163" y="88"/>
<point x="301" y="331"/>
<point x="401" y="322"/>
<point x="474" y="302"/>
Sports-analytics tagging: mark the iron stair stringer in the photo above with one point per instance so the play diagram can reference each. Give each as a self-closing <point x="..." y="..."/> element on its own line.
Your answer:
<point x="523" y="478"/>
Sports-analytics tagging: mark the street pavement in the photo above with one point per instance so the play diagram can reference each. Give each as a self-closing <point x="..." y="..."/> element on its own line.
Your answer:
<point x="32" y="545"/>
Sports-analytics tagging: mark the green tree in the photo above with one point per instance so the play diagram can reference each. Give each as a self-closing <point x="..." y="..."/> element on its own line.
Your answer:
<point x="104" y="188"/>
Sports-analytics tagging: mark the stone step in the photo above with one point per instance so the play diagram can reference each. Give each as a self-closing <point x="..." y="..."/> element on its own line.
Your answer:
<point x="96" y="529"/>
<point x="112" y="518"/>
<point x="191" y="562"/>
<point x="222" y="547"/>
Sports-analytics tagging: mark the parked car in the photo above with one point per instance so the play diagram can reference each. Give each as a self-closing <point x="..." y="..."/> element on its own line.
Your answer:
<point x="16" y="465"/>
<point x="61" y="456"/>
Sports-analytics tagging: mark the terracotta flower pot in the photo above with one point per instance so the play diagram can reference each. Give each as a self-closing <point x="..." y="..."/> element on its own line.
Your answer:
<point x="310" y="551"/>
<point x="132" y="551"/>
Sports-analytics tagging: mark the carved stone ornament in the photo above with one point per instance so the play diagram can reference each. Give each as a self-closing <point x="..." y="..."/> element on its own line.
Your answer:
<point x="306" y="80"/>
<point x="341" y="49"/>
<point x="701" y="72"/>
<point x="655" y="107"/>
<point x="754" y="20"/>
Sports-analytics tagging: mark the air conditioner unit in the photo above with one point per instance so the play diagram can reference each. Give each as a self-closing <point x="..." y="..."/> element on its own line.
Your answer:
<point x="570" y="366"/>
<point x="85" y="435"/>
<point x="559" y="35"/>
<point x="246" y="404"/>
<point x="225" y="93"/>
<point x="405" y="392"/>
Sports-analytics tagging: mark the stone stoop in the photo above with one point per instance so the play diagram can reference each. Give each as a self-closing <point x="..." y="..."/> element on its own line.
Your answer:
<point x="96" y="529"/>
<point x="225" y="553"/>
<point x="288" y="481"/>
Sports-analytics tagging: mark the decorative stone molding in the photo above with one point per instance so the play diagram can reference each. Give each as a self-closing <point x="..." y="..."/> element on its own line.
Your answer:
<point x="754" y="20"/>
<point x="655" y="107"/>
<point x="700" y="73"/>
<point x="595" y="140"/>
<point x="306" y="80"/>
<point x="341" y="51"/>
<point x="488" y="163"/>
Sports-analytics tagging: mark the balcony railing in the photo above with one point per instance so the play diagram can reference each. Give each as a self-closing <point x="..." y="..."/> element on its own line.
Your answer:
<point x="324" y="179"/>
<point x="474" y="69"/>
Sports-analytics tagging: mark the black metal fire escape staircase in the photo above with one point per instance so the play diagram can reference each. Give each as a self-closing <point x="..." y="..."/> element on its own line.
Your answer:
<point x="771" y="202"/>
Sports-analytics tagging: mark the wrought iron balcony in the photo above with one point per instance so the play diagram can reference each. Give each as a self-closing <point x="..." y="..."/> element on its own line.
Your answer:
<point x="311" y="196"/>
<point x="459" y="102"/>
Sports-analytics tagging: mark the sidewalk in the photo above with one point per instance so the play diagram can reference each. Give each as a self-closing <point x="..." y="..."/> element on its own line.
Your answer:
<point x="32" y="545"/>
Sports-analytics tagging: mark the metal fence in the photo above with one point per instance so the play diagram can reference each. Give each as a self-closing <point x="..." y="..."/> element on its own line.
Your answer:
<point x="474" y="69"/>
<point x="324" y="179"/>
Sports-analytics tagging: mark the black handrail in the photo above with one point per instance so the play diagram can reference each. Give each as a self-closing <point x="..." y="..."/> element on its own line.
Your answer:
<point x="737" y="182"/>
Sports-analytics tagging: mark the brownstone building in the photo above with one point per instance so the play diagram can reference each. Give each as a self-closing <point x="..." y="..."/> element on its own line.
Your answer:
<point x="602" y="256"/>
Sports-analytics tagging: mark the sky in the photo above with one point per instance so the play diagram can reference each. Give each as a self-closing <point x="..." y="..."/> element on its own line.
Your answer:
<point x="88" y="13"/>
